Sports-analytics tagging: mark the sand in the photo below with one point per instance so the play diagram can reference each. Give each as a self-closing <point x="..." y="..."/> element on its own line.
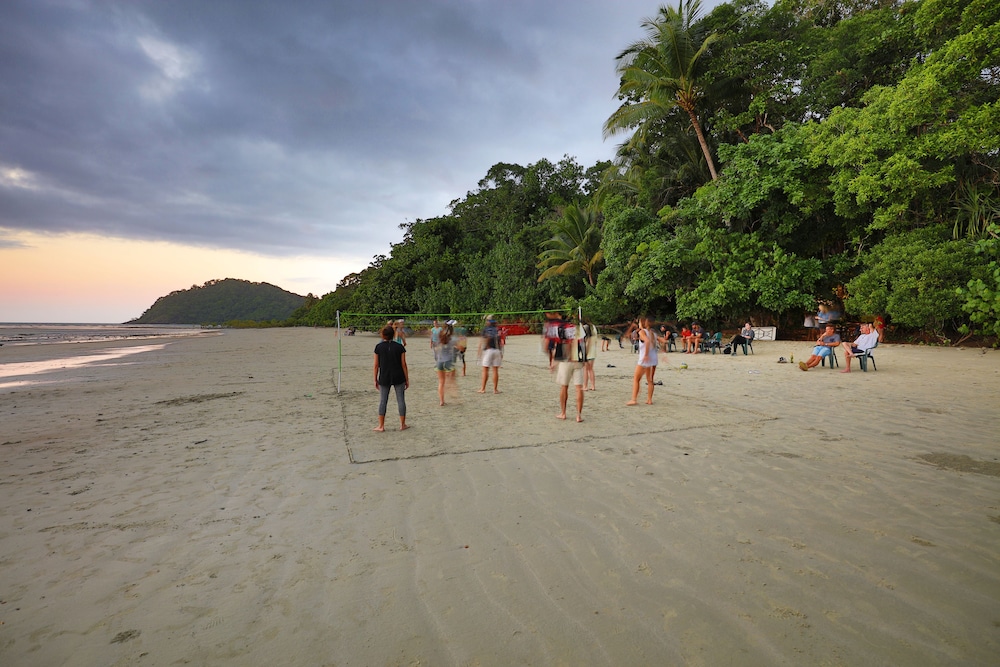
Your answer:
<point x="216" y="501"/>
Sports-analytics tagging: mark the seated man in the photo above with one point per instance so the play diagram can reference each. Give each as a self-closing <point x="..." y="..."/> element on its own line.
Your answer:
<point x="745" y="335"/>
<point x="824" y="344"/>
<point x="866" y="341"/>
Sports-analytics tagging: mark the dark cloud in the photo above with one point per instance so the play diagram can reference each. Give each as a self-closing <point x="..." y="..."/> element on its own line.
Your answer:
<point x="283" y="127"/>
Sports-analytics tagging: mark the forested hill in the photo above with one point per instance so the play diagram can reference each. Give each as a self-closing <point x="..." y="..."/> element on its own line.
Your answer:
<point x="221" y="301"/>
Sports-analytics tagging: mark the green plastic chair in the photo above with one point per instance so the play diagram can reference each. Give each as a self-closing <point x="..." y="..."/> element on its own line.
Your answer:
<point x="865" y="357"/>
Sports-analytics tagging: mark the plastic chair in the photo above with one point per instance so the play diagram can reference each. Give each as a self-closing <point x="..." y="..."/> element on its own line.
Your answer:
<point x="712" y="342"/>
<point x="865" y="357"/>
<point x="746" y="344"/>
<point x="832" y="357"/>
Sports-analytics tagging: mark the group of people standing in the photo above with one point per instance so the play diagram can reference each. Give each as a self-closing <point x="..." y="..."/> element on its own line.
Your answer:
<point x="448" y="344"/>
<point x="571" y="346"/>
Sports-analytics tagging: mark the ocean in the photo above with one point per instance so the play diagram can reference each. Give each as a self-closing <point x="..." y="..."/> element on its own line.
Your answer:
<point x="58" y="356"/>
<point x="44" y="334"/>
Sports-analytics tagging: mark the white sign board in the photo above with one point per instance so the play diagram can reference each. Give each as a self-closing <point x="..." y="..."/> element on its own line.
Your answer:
<point x="765" y="333"/>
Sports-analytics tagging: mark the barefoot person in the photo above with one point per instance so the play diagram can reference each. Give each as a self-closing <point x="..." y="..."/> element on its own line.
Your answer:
<point x="461" y="343"/>
<point x="444" y="362"/>
<point x="825" y="344"/>
<point x="866" y="341"/>
<point x="391" y="372"/>
<point x="489" y="354"/>
<point x="646" y="365"/>
<point x="590" y="345"/>
<point x="570" y="355"/>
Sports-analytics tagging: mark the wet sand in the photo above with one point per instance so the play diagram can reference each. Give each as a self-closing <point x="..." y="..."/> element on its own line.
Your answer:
<point x="216" y="501"/>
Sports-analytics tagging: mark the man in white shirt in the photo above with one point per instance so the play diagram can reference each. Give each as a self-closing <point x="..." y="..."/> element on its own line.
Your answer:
<point x="866" y="341"/>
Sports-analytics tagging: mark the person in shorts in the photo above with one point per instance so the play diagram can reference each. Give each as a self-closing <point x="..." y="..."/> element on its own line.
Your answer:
<point x="824" y="345"/>
<point x="444" y="361"/>
<point x="489" y="354"/>
<point x="866" y="341"/>
<point x="570" y="357"/>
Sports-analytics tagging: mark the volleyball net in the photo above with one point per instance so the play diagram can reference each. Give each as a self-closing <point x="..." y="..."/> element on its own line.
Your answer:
<point x="511" y="323"/>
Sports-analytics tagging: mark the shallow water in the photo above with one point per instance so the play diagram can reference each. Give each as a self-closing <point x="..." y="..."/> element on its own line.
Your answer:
<point x="41" y="334"/>
<point x="62" y="352"/>
<point x="20" y="374"/>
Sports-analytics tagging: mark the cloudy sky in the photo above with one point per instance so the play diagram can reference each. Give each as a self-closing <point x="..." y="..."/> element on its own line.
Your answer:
<point x="147" y="146"/>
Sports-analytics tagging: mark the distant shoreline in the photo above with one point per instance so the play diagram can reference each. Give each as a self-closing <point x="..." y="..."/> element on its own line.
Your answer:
<point x="20" y="334"/>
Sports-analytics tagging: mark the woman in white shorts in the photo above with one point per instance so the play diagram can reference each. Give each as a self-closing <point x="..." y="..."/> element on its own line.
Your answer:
<point x="646" y="366"/>
<point x="489" y="354"/>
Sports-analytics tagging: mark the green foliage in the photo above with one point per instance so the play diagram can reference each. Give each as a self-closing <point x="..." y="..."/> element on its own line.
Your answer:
<point x="912" y="276"/>
<point x="981" y="295"/>
<point x="479" y="257"/>
<point x="660" y="74"/>
<point x="576" y="246"/>
<point x="220" y="301"/>
<point x="898" y="157"/>
<point x="858" y="145"/>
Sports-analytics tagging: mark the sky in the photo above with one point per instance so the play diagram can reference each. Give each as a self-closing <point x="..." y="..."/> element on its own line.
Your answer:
<point x="148" y="146"/>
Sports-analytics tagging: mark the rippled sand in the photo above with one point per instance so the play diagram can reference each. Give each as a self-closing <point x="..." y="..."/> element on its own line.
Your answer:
<point x="216" y="501"/>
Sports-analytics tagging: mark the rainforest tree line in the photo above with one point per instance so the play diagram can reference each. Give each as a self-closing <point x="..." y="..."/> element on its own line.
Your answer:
<point x="771" y="158"/>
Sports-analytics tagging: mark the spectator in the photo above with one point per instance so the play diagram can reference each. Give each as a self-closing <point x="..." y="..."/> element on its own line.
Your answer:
<point x="824" y="346"/>
<point x="867" y="340"/>
<point x="745" y="335"/>
<point x="686" y="338"/>
<point x="697" y="335"/>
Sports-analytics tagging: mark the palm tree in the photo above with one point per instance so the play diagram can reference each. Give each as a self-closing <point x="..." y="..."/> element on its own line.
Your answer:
<point x="660" y="74"/>
<point x="576" y="246"/>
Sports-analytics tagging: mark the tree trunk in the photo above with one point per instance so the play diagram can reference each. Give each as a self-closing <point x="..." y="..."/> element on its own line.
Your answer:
<point x="704" y="144"/>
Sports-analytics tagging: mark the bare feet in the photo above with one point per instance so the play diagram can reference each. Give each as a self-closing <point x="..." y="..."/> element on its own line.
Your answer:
<point x="649" y="402"/>
<point x="403" y="427"/>
<point x="579" y="418"/>
<point x="846" y="370"/>
<point x="379" y="429"/>
<point x="632" y="403"/>
<point x="481" y="391"/>
<point x="496" y="391"/>
<point x="562" y="416"/>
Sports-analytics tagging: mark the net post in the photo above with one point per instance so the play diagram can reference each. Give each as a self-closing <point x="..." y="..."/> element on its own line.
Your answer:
<point x="340" y="353"/>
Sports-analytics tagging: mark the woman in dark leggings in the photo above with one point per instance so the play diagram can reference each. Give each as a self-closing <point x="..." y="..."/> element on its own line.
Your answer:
<point x="391" y="371"/>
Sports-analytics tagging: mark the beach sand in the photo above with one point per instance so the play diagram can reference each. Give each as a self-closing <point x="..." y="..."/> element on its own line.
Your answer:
<point x="216" y="501"/>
